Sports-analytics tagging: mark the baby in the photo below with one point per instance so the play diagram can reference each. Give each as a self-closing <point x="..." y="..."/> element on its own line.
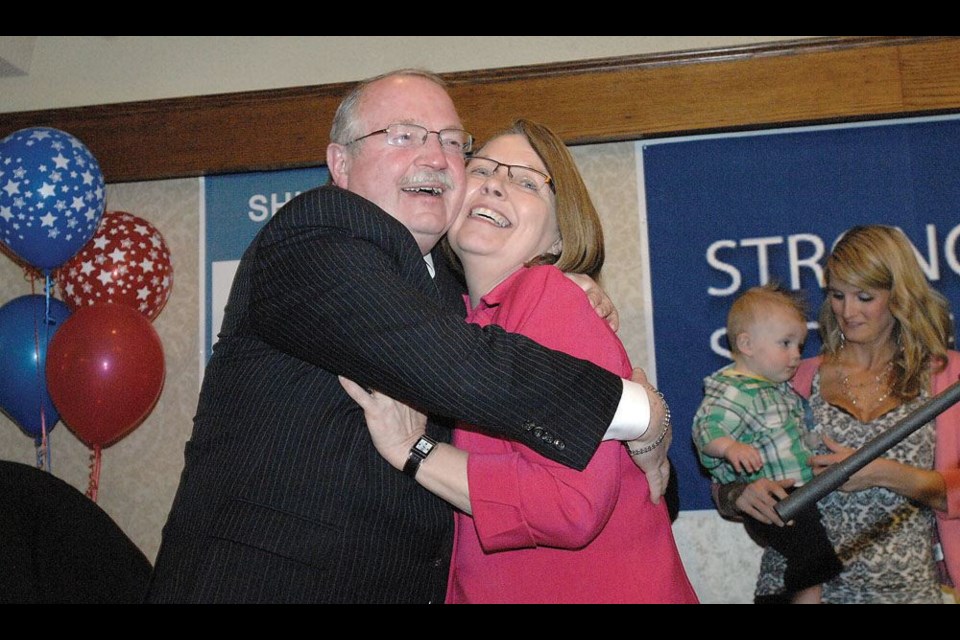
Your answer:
<point x="751" y="424"/>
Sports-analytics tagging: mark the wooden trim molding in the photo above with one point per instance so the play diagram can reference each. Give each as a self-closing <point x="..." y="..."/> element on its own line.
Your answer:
<point x="786" y="83"/>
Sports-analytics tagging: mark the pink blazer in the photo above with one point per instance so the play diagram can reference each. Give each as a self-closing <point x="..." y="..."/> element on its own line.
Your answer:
<point x="946" y="459"/>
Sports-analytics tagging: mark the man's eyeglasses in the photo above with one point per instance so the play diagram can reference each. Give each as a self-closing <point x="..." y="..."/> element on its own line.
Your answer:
<point x="405" y="136"/>
<point x="527" y="178"/>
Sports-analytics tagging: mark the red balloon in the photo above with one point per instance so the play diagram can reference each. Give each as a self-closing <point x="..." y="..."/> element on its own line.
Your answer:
<point x="105" y="371"/>
<point x="127" y="261"/>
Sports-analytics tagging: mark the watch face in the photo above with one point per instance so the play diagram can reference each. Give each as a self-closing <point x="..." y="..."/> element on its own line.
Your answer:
<point x="423" y="446"/>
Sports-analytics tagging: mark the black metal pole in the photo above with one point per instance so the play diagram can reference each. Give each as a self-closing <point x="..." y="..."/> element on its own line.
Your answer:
<point x="839" y="473"/>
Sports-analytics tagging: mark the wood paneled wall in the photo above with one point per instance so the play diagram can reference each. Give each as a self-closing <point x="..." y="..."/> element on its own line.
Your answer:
<point x="786" y="83"/>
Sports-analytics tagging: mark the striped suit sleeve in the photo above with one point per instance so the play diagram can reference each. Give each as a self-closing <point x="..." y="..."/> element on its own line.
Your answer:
<point x="353" y="300"/>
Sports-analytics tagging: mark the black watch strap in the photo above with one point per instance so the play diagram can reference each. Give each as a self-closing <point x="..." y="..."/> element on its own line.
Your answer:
<point x="418" y="453"/>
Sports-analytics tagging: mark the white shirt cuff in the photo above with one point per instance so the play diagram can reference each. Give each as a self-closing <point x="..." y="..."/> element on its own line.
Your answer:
<point x="633" y="414"/>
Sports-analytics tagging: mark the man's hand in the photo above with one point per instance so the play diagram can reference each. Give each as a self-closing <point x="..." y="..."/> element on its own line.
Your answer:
<point x="649" y="451"/>
<point x="599" y="299"/>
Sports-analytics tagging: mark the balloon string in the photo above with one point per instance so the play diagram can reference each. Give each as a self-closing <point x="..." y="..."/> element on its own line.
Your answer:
<point x="31" y="273"/>
<point x="39" y="439"/>
<point x="49" y="322"/>
<point x="44" y="462"/>
<point x="94" y="473"/>
<point x="46" y="442"/>
<point x="43" y="445"/>
<point x="46" y="292"/>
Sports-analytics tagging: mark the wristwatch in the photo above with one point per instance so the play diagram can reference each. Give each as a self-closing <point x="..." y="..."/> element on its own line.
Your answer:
<point x="418" y="453"/>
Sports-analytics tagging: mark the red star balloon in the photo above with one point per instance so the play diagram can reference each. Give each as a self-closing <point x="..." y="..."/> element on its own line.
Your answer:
<point x="126" y="262"/>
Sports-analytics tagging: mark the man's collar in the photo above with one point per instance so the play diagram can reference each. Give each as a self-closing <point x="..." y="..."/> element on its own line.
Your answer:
<point x="432" y="269"/>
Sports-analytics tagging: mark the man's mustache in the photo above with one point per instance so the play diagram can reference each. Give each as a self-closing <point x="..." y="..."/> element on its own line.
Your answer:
<point x="441" y="178"/>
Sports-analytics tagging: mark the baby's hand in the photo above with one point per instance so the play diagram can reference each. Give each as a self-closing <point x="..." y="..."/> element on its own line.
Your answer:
<point x="743" y="457"/>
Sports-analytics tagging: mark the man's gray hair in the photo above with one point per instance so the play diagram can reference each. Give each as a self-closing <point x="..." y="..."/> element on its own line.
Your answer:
<point x="346" y="125"/>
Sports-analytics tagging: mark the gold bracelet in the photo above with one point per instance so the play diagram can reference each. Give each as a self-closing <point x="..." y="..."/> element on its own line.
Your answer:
<point x="663" y="434"/>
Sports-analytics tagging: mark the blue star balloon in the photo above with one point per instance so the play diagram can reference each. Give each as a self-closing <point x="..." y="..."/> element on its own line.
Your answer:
<point x="51" y="195"/>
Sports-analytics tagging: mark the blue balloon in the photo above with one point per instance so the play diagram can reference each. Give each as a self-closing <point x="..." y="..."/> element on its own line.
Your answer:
<point x="52" y="195"/>
<point x="23" y="381"/>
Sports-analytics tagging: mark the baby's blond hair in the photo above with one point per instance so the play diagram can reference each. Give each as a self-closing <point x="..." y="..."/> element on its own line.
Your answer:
<point x="748" y="309"/>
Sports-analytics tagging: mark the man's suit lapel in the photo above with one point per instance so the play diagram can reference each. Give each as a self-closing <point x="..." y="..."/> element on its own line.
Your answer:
<point x="361" y="219"/>
<point x="397" y="239"/>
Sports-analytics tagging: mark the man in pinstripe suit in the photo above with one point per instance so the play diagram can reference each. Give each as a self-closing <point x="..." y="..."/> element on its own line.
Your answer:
<point x="283" y="498"/>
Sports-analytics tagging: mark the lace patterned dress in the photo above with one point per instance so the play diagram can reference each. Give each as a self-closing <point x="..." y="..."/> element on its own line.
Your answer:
<point x="883" y="539"/>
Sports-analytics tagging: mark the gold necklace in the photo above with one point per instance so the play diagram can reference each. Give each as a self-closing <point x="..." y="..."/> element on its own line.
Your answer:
<point x="881" y="386"/>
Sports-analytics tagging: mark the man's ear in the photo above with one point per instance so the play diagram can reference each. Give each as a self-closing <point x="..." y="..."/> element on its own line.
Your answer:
<point x="744" y="343"/>
<point x="338" y="163"/>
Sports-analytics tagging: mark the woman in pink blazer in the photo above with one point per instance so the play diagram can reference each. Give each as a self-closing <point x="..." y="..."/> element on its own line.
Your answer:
<point x="529" y="530"/>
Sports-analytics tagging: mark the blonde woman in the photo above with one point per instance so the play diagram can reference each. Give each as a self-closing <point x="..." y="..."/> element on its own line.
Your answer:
<point x="885" y="350"/>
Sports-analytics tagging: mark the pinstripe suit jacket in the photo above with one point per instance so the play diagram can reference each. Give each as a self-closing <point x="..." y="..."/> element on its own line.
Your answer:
<point x="283" y="497"/>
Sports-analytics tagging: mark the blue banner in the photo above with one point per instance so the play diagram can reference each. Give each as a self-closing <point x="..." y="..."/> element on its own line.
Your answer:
<point x="726" y="213"/>
<point x="235" y="208"/>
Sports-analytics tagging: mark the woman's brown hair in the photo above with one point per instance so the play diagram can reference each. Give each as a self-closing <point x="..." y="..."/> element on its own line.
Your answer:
<point x="580" y="230"/>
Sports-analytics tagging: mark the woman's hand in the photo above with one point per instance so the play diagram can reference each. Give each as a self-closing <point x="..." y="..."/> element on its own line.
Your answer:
<point x="394" y="426"/>
<point x="759" y="497"/>
<point x="655" y="440"/>
<point x="599" y="299"/>
<point x="838" y="453"/>
<point x="656" y="466"/>
<point x="871" y="475"/>
<point x="926" y="486"/>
